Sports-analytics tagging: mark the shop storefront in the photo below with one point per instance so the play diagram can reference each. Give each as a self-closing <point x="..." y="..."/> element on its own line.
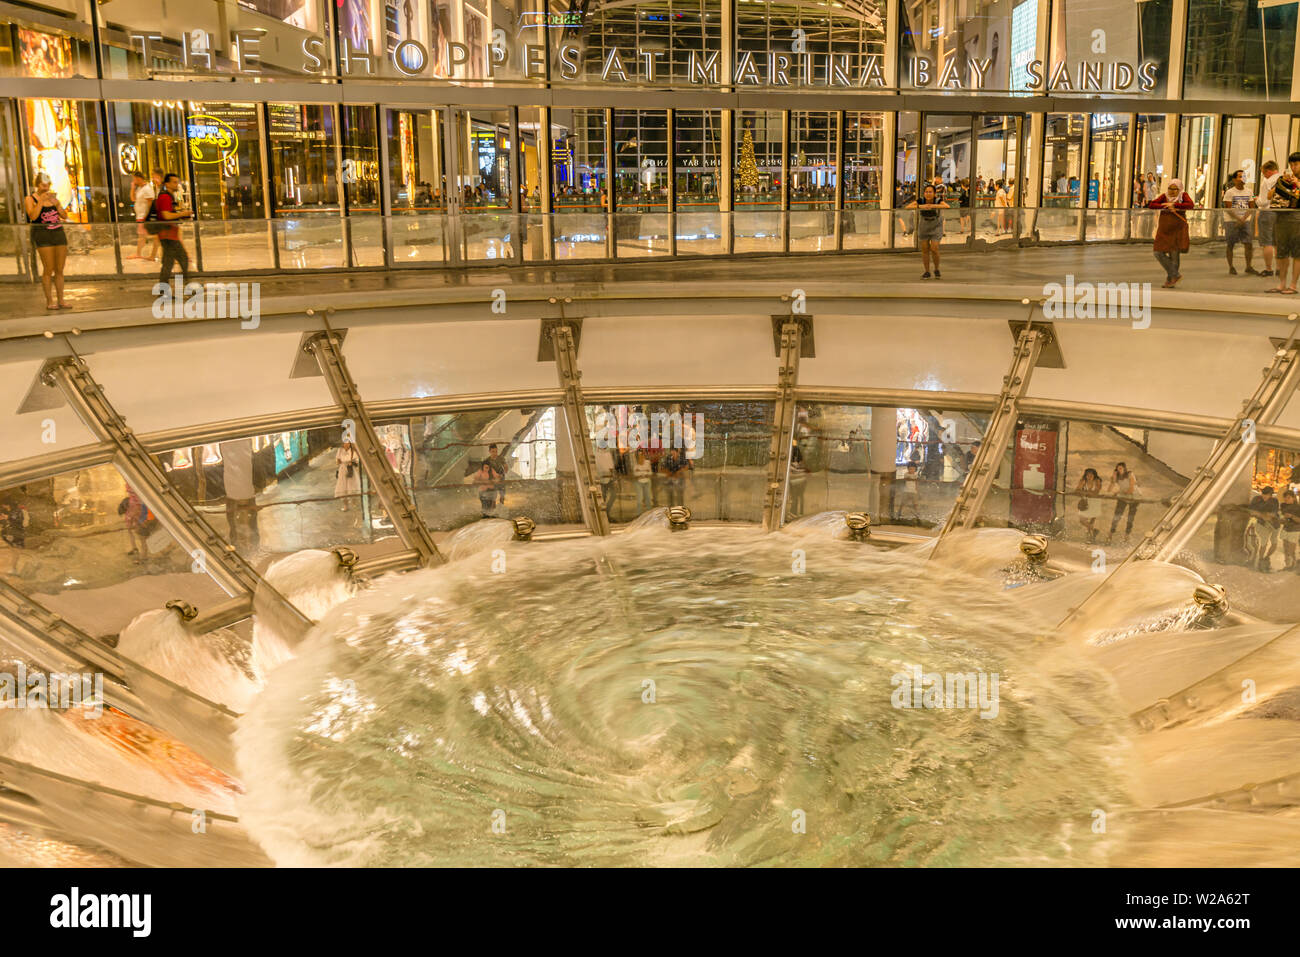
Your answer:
<point x="610" y="167"/>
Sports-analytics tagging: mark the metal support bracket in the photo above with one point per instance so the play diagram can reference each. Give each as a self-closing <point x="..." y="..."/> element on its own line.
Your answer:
<point x="60" y="647"/>
<point x="984" y="470"/>
<point x="223" y="563"/>
<point x="590" y="494"/>
<point x="778" y="456"/>
<point x="55" y="645"/>
<point x="1232" y="452"/>
<point x="392" y="493"/>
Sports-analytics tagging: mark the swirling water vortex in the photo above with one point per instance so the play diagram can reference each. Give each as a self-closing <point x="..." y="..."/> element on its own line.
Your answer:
<point x="686" y="699"/>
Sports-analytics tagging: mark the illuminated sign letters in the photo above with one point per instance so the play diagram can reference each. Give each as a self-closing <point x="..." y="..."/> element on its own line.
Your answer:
<point x="211" y="139"/>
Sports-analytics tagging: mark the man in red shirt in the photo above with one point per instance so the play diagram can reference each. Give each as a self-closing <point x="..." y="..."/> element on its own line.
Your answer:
<point x="169" y="211"/>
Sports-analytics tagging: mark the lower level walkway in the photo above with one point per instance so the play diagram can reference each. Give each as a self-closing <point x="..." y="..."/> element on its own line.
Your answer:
<point x="1204" y="271"/>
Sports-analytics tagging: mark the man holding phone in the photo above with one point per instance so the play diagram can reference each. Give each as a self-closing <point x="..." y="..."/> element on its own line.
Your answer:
<point x="1286" y="232"/>
<point x="170" y="211"/>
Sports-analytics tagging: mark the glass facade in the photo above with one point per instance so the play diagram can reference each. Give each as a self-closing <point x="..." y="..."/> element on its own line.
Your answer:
<point x="615" y="168"/>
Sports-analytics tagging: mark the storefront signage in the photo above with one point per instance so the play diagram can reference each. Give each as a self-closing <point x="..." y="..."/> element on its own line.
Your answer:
<point x="211" y="140"/>
<point x="567" y="19"/>
<point x="128" y="157"/>
<point x="411" y="58"/>
<point x="1092" y="76"/>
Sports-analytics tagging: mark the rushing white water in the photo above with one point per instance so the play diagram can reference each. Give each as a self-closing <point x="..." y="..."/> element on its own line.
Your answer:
<point x="675" y="698"/>
<point x="477" y="536"/>
<point x="313" y="581"/>
<point x="214" y="664"/>
<point x="708" y="697"/>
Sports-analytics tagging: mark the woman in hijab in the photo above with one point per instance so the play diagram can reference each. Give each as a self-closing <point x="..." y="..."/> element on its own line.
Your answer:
<point x="1171" y="231"/>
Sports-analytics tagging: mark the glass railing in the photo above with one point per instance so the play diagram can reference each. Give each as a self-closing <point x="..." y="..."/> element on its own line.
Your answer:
<point x="324" y="241"/>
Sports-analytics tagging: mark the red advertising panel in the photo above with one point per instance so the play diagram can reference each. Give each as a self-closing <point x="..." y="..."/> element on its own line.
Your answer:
<point x="1033" y="476"/>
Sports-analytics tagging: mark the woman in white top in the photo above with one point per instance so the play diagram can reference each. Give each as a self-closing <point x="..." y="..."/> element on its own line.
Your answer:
<point x="347" y="474"/>
<point x="143" y="193"/>
<point x="643" y="471"/>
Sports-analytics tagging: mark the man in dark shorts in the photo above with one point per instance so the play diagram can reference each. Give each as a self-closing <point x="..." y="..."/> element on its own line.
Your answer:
<point x="1286" y="231"/>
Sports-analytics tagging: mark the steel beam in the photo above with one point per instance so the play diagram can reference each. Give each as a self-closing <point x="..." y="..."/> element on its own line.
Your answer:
<point x="778" y="456"/>
<point x="414" y="534"/>
<point x="1233" y="452"/>
<point x="57" y="646"/>
<point x="984" y="470"/>
<point x="590" y="494"/>
<point x="222" y="562"/>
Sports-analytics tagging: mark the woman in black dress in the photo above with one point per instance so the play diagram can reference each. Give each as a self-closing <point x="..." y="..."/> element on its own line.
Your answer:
<point x="47" y="216"/>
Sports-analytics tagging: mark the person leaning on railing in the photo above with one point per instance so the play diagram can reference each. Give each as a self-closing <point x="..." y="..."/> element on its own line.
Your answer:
<point x="1286" y="232"/>
<point x="1172" y="236"/>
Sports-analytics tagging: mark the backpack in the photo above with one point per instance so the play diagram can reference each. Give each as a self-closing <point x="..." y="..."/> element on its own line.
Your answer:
<point x="153" y="223"/>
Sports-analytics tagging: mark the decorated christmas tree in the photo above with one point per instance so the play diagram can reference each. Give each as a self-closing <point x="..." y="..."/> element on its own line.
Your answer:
<point x="748" y="167"/>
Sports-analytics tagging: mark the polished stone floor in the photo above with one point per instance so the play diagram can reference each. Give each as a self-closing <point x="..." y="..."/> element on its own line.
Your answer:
<point x="1205" y="271"/>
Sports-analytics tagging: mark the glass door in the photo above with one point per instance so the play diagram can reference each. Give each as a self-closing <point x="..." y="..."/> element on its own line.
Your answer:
<point x="945" y="163"/>
<point x="998" y="175"/>
<point x="1111" y="186"/>
<point x="485" y="183"/>
<point x="1197" y="146"/>
<point x="417" y="185"/>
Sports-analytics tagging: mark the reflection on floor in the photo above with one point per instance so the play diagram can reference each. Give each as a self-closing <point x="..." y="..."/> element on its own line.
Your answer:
<point x="1204" y="271"/>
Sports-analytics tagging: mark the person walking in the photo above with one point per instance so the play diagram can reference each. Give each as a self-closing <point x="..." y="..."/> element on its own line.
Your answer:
<point x="347" y="473"/>
<point x="47" y="216"/>
<point x="167" y="208"/>
<point x="1123" y="485"/>
<point x="143" y="192"/>
<point x="929" y="228"/>
<point x="496" y="461"/>
<point x="1172" y="236"/>
<point x="135" y="514"/>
